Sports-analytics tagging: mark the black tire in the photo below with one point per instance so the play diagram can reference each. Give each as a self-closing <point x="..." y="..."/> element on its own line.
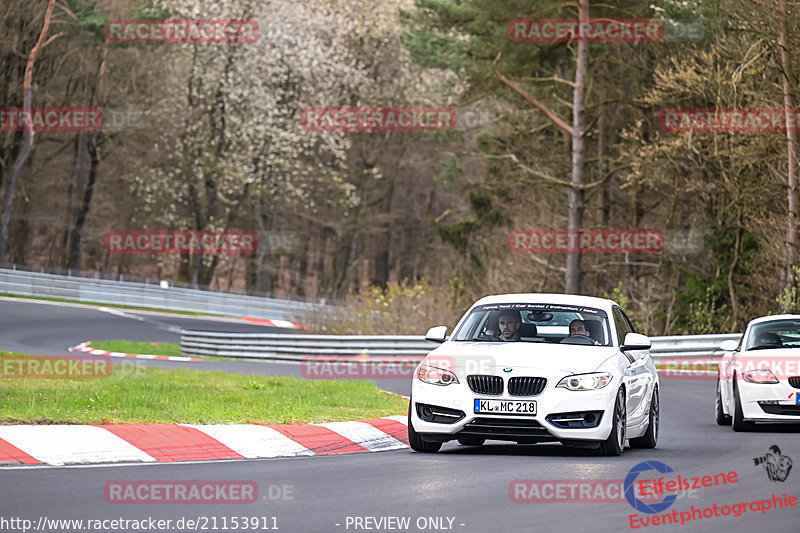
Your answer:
<point x="615" y="443"/>
<point x="722" y="418"/>
<point x="417" y="443"/>
<point x="738" y="422"/>
<point x="471" y="440"/>
<point x="650" y="437"/>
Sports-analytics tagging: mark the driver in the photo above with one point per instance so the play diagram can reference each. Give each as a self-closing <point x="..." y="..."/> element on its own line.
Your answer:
<point x="509" y="323"/>
<point x="578" y="327"/>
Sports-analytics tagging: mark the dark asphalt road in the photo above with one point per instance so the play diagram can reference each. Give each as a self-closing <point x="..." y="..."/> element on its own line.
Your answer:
<point x="49" y="329"/>
<point x="470" y="485"/>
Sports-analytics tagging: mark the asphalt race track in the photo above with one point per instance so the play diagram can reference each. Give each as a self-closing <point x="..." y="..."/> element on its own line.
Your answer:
<point x="44" y="328"/>
<point x="459" y="489"/>
<point x="39" y="328"/>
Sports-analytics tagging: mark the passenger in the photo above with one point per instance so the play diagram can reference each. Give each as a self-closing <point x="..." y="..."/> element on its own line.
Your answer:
<point x="509" y="323"/>
<point x="578" y="327"/>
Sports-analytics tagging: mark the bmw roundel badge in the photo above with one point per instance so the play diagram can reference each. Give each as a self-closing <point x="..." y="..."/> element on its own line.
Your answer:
<point x="507" y="369"/>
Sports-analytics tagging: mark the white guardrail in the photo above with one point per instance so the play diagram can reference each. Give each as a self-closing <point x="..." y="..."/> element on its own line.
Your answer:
<point x="297" y="347"/>
<point x="145" y="295"/>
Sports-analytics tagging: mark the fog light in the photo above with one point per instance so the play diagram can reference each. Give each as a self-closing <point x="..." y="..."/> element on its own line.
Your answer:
<point x="427" y="412"/>
<point x="589" y="418"/>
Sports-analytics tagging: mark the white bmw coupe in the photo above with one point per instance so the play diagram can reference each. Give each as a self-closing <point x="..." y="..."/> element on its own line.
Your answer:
<point x="759" y="376"/>
<point x="534" y="368"/>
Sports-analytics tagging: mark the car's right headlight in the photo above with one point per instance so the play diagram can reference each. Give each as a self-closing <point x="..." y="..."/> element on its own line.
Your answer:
<point x="759" y="376"/>
<point x="593" y="381"/>
<point x="436" y="376"/>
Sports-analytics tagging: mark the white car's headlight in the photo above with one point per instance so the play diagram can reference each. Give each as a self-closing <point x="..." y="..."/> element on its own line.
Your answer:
<point x="759" y="376"/>
<point x="436" y="376"/>
<point x="594" y="381"/>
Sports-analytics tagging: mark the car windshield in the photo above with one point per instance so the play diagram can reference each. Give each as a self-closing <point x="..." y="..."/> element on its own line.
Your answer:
<point x="774" y="334"/>
<point x="536" y="323"/>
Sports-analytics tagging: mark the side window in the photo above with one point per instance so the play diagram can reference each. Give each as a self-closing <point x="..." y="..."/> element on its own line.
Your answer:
<point x="622" y="324"/>
<point x="628" y="322"/>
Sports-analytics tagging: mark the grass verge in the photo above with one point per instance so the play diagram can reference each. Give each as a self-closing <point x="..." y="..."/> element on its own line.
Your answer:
<point x="171" y="349"/>
<point x="135" y="394"/>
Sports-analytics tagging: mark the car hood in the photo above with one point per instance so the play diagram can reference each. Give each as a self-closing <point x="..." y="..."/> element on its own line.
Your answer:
<point x="491" y="357"/>
<point x="783" y="362"/>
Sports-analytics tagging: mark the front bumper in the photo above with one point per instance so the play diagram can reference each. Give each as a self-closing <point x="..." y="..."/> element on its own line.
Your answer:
<point x="773" y="402"/>
<point x="571" y="417"/>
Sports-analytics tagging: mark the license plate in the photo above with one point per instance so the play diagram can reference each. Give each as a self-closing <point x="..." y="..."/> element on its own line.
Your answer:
<point x="505" y="407"/>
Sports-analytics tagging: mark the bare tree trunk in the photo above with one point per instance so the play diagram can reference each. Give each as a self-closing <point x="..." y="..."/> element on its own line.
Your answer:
<point x="604" y="207"/>
<point x="92" y="146"/>
<point x="575" y="197"/>
<point x="26" y="148"/>
<point x="76" y="237"/>
<point x="735" y="307"/>
<point x="791" y="223"/>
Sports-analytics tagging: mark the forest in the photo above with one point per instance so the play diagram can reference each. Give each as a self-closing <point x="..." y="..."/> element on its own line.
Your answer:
<point x="673" y="121"/>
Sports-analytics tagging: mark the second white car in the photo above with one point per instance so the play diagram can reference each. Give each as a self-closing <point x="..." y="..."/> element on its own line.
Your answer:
<point x="759" y="376"/>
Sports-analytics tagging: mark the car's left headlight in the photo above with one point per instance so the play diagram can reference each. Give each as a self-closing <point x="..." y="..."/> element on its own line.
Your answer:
<point x="759" y="376"/>
<point x="596" y="380"/>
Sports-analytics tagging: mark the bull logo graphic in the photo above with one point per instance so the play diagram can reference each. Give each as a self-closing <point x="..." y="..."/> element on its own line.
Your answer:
<point x="777" y="466"/>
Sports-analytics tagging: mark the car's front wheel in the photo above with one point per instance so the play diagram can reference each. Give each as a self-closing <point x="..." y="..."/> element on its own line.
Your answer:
<point x="615" y="443"/>
<point x="650" y="437"/>
<point x="416" y="441"/>
<point x="722" y="418"/>
<point x="738" y="416"/>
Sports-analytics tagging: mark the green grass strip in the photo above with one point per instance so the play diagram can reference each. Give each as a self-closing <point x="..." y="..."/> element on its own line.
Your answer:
<point x="153" y="348"/>
<point x="172" y="349"/>
<point x="136" y="394"/>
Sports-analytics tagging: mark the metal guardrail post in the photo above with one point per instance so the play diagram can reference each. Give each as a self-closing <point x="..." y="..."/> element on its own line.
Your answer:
<point x="23" y="283"/>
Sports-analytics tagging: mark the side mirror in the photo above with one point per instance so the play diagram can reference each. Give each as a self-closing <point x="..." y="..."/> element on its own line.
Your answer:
<point x="729" y="346"/>
<point x="437" y="334"/>
<point x="635" y="341"/>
